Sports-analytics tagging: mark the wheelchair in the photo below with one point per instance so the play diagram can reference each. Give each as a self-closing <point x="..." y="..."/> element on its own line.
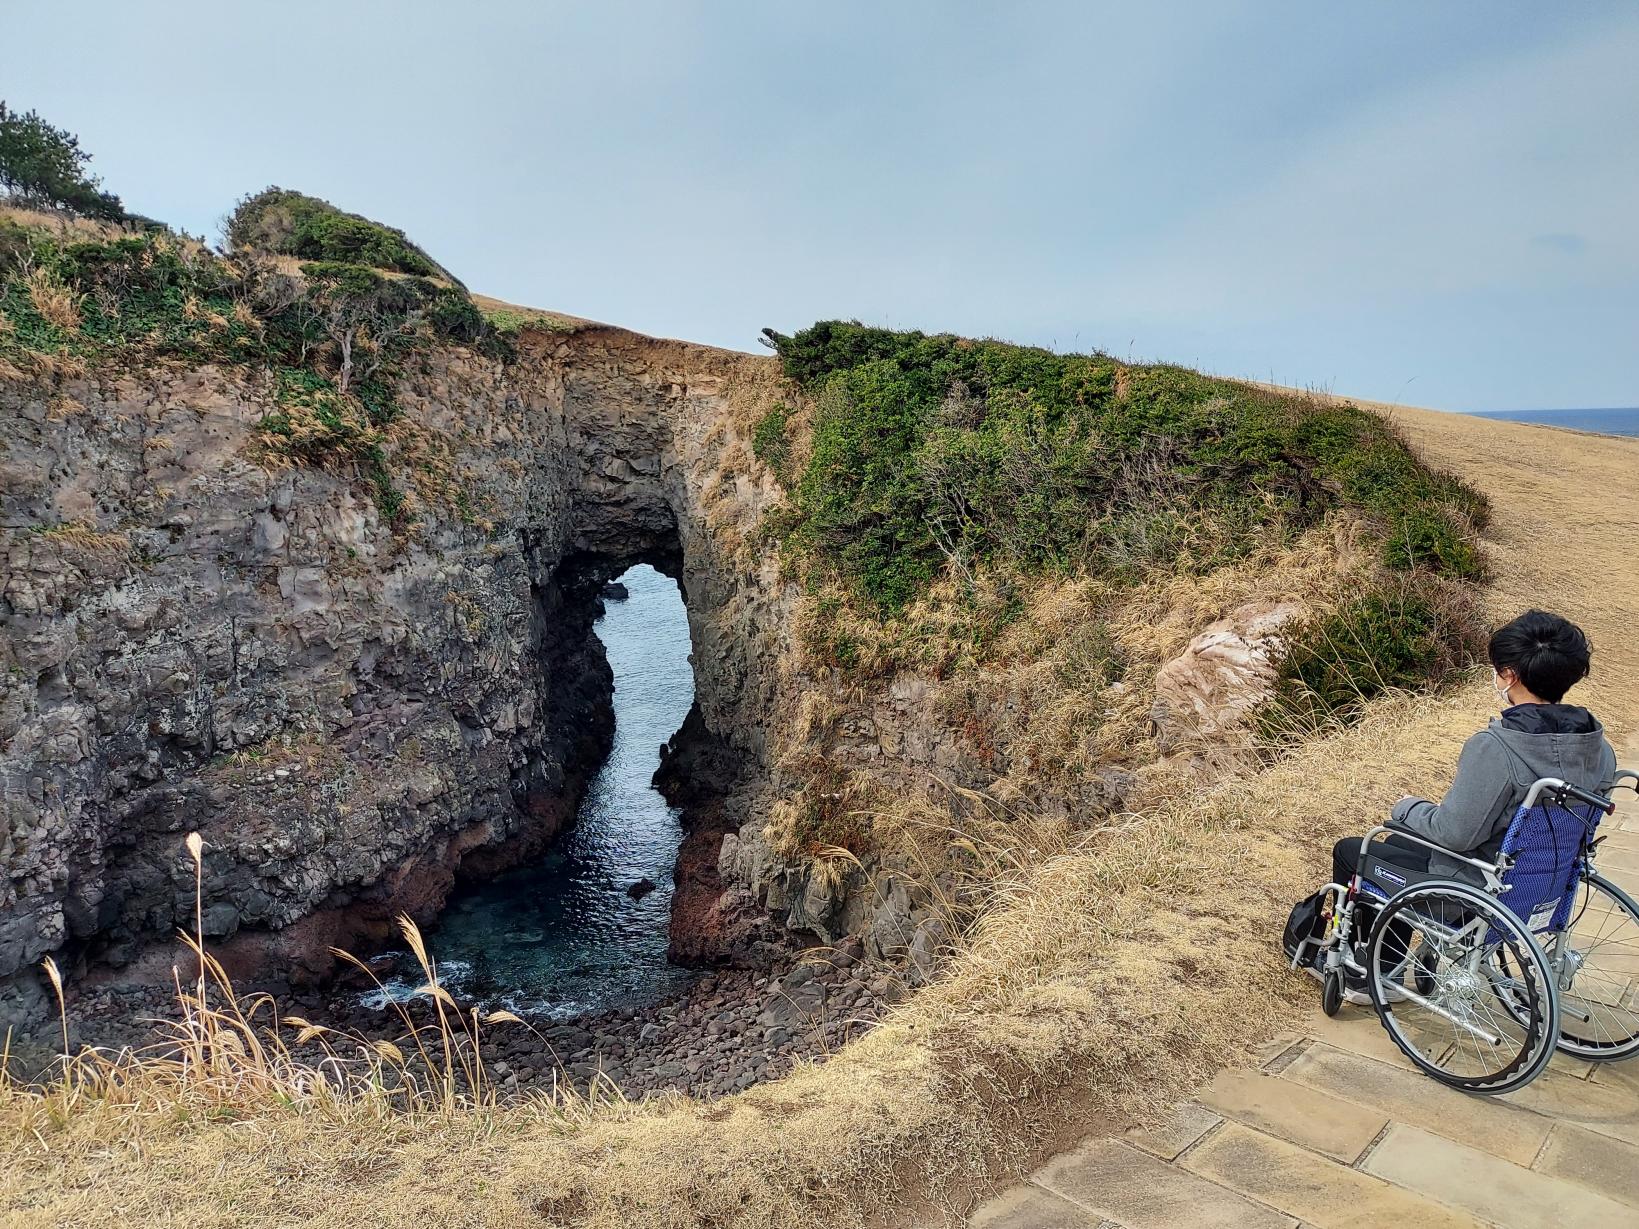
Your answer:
<point x="1479" y="984"/>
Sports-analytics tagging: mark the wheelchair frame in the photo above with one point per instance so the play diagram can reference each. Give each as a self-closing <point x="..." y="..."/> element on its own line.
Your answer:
<point x="1555" y="954"/>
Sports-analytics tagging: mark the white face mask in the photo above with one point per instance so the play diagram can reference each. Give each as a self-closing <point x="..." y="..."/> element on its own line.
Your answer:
<point x="1501" y="689"/>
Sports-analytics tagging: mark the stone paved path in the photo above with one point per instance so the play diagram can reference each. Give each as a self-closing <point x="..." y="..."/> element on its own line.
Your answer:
<point x="1336" y="1128"/>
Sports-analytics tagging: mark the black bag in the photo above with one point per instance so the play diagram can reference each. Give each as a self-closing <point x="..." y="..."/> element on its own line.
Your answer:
<point x="1306" y="922"/>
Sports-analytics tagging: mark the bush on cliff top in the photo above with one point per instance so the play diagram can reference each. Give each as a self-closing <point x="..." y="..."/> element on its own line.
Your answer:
<point x="936" y="454"/>
<point x="1402" y="633"/>
<point x="287" y="223"/>
<point x="935" y="458"/>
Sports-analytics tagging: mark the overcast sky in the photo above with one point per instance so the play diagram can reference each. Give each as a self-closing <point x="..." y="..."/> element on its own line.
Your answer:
<point x="1429" y="203"/>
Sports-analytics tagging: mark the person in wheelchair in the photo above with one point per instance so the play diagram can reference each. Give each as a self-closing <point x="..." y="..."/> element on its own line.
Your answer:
<point x="1536" y="659"/>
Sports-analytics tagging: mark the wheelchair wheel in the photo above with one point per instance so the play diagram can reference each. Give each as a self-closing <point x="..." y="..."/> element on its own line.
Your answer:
<point x="1596" y="959"/>
<point x="1463" y="988"/>
<point x="1331" y="992"/>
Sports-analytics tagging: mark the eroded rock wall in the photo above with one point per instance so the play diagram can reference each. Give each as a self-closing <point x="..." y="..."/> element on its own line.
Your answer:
<point x="198" y="637"/>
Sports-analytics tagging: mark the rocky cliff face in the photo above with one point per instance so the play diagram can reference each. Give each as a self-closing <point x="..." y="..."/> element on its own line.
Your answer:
<point x="197" y="637"/>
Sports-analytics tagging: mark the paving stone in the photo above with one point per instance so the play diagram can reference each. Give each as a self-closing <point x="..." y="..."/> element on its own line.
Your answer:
<point x="1623" y="1074"/>
<point x="1620" y="862"/>
<point x="1295" y="1112"/>
<point x="1357" y="1030"/>
<point x="1491" y="1188"/>
<point x="1277" y="1045"/>
<point x="1186" y="1124"/>
<point x="1143" y="1192"/>
<point x="1596" y="1161"/>
<point x="1604" y="1107"/>
<point x="1029" y="1207"/>
<point x="1321" y="1192"/>
<point x="1574" y="1068"/>
<point x="1407" y="1095"/>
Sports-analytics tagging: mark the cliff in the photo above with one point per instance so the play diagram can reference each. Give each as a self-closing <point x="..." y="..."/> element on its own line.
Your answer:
<point x="306" y="558"/>
<point x="201" y="636"/>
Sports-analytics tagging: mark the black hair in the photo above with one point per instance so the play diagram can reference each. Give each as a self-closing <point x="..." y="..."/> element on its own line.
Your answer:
<point x="1547" y="653"/>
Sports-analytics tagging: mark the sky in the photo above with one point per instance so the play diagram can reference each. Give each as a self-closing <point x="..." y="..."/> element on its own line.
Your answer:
<point x="1423" y="203"/>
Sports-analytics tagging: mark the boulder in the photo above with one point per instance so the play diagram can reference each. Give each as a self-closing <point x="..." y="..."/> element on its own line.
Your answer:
<point x="1205" y="697"/>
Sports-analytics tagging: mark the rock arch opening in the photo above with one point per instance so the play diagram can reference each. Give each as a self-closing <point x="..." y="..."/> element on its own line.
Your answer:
<point x="584" y="925"/>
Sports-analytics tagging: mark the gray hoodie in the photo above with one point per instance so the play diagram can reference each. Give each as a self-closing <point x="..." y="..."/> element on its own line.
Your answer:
<point x="1494" y="772"/>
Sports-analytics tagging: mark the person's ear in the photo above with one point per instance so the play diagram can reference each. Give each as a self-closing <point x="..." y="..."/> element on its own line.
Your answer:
<point x="1508" y="675"/>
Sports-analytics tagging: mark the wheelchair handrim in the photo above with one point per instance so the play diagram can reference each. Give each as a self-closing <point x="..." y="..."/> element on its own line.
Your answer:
<point x="1453" y="1033"/>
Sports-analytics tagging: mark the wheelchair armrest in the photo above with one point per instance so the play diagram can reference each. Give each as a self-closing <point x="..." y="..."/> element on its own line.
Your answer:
<point x="1627" y="777"/>
<point x="1491" y="870"/>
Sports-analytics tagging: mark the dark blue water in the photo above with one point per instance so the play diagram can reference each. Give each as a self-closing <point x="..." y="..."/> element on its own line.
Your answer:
<point x="1606" y="422"/>
<point x="563" y="937"/>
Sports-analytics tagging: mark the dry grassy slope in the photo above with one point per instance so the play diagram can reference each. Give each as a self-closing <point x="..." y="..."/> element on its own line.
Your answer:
<point x="1105" y="980"/>
<point x="1566" y="535"/>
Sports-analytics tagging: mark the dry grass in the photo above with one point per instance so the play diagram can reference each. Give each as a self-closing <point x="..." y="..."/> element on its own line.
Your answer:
<point x="229" y="1059"/>
<point x="56" y="303"/>
<point x="81" y="536"/>
<point x="1120" y="968"/>
<point x="64" y="225"/>
<point x="68" y="228"/>
<point x="510" y="318"/>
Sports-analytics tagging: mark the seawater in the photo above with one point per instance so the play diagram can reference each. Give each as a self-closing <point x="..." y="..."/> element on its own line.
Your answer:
<point x="562" y="937"/>
<point x="1606" y="422"/>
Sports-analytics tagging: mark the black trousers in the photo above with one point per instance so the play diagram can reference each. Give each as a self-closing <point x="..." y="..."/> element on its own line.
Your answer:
<point x="1397" y="851"/>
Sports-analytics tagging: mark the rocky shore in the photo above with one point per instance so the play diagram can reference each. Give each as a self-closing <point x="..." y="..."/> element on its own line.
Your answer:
<point x="728" y="1030"/>
<point x="731" y="1029"/>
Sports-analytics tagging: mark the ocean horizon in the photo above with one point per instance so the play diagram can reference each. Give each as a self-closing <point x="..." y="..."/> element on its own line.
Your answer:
<point x="1614" y="421"/>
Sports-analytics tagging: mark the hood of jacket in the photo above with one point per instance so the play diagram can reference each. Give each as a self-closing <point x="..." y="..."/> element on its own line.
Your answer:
<point x="1554" y="740"/>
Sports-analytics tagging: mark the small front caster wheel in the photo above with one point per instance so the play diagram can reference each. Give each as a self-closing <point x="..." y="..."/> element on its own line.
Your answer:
<point x="1331" y="992"/>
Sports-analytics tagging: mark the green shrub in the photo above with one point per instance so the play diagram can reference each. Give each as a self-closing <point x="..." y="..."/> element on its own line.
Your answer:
<point x="1430" y="536"/>
<point x="17" y="247"/>
<point x="935" y="455"/>
<point x="291" y="223"/>
<point x="320" y="425"/>
<point x="453" y="315"/>
<point x="1406" y="633"/>
<point x="770" y="444"/>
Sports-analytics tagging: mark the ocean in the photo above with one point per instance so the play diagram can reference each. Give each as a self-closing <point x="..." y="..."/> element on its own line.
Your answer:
<point x="1605" y="422"/>
<point x="562" y="936"/>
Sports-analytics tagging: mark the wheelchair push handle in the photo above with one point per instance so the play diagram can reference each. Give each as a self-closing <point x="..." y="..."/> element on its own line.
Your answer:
<point x="1559" y="791"/>
<point x="1605" y="804"/>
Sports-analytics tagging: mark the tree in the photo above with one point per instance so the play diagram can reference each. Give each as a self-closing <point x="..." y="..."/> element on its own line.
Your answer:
<point x="364" y="313"/>
<point x="43" y="165"/>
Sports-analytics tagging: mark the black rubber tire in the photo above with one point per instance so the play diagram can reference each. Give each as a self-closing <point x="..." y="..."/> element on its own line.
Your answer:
<point x="1331" y="992"/>
<point x="1538" y="1014"/>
